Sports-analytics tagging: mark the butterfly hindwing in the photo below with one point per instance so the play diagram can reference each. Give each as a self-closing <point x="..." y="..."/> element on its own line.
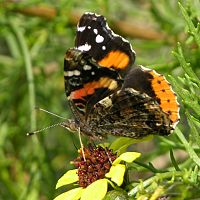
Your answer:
<point x="134" y="114"/>
<point x="156" y="86"/>
<point x="146" y="104"/>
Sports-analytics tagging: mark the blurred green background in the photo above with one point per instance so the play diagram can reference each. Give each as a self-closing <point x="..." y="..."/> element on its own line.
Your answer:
<point x="34" y="36"/>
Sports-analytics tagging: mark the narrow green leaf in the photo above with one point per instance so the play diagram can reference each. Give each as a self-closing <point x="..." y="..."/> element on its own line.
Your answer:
<point x="180" y="90"/>
<point x="188" y="98"/>
<point x="148" y="166"/>
<point x="194" y="31"/>
<point x="174" y="161"/>
<point x="194" y="105"/>
<point x="186" y="66"/>
<point x="194" y="133"/>
<point x="194" y="174"/>
<point x="188" y="147"/>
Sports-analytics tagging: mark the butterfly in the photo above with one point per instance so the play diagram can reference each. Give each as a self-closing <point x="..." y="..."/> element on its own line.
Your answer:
<point x="107" y="93"/>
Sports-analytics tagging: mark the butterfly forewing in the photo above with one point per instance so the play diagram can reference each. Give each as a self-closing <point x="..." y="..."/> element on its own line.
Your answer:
<point x="109" y="49"/>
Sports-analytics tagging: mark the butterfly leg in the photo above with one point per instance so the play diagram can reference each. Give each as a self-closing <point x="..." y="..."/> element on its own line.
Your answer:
<point x="81" y="143"/>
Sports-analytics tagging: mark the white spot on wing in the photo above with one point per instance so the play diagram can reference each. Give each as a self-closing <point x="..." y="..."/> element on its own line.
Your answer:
<point x="85" y="47"/>
<point x="103" y="47"/>
<point x="106" y="102"/>
<point x="68" y="73"/>
<point x="87" y="67"/>
<point x="93" y="73"/>
<point x="91" y="13"/>
<point x="99" y="39"/>
<point x="77" y="73"/>
<point x="95" y="31"/>
<point x="114" y="34"/>
<point x="146" y="69"/>
<point x="81" y="29"/>
<point x="89" y="27"/>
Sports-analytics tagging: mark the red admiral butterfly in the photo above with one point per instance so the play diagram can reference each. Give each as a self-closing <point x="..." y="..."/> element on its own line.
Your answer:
<point x="106" y="95"/>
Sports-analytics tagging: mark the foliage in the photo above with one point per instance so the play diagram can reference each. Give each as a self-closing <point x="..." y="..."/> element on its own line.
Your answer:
<point x="34" y="36"/>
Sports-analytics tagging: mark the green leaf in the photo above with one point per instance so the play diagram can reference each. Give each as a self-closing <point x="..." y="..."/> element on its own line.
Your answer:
<point x="116" y="195"/>
<point x="97" y="190"/>
<point x="122" y="143"/>
<point x="194" y="175"/>
<point x="186" y="66"/>
<point x="188" y="97"/>
<point x="116" y="173"/>
<point x="194" y="132"/>
<point x="188" y="147"/>
<point x="193" y="30"/>
<point x="174" y="160"/>
<point x="127" y="157"/>
<point x="73" y="194"/>
<point x="68" y="178"/>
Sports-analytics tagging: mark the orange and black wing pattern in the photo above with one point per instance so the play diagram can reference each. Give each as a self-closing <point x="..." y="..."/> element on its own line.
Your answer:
<point x="107" y="93"/>
<point x="156" y="86"/>
<point x="109" y="49"/>
<point x="94" y="68"/>
<point x="145" y="105"/>
<point x="86" y="82"/>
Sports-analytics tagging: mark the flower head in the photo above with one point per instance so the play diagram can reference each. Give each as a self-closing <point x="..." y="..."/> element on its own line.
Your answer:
<point x="96" y="168"/>
<point x="95" y="163"/>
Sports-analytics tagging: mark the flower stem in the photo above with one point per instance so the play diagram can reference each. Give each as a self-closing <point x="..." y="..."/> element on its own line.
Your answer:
<point x="157" y="177"/>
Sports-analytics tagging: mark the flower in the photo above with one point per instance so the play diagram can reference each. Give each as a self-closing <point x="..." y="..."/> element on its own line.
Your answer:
<point x="94" y="164"/>
<point x="96" y="168"/>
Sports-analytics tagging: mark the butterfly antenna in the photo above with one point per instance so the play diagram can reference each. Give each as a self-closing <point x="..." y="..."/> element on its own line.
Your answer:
<point x="51" y="113"/>
<point x="43" y="129"/>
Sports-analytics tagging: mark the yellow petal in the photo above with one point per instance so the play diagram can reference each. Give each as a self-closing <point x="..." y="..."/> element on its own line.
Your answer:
<point x="69" y="177"/>
<point x="127" y="157"/>
<point x="73" y="194"/>
<point x="96" y="191"/>
<point x="116" y="173"/>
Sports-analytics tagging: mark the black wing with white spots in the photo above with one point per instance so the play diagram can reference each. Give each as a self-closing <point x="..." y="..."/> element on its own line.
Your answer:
<point x="109" y="49"/>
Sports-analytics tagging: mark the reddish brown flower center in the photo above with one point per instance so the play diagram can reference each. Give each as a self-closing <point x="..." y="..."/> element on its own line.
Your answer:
<point x="96" y="164"/>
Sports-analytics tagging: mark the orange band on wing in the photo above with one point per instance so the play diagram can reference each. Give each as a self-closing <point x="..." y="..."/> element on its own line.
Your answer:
<point x="89" y="88"/>
<point x="115" y="59"/>
<point x="163" y="91"/>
